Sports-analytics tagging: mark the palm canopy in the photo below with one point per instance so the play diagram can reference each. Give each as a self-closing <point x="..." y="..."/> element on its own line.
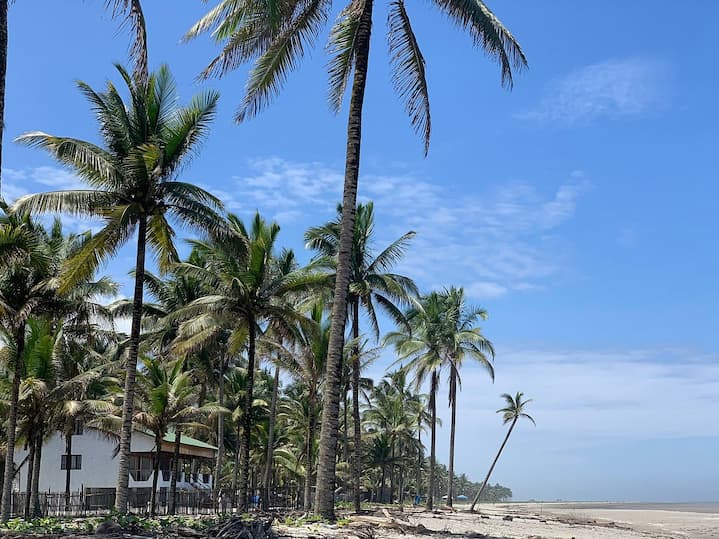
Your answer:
<point x="515" y="407"/>
<point x="442" y="332"/>
<point x="133" y="178"/>
<point x="276" y="35"/>
<point x="248" y="282"/>
<point x="371" y="281"/>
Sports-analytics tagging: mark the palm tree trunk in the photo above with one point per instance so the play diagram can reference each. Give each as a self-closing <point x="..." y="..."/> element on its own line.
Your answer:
<point x="247" y="416"/>
<point x="382" y="482"/>
<point x="453" y="403"/>
<point x="238" y="452"/>
<point x="220" y="435"/>
<point x="357" y="455"/>
<point x="310" y="441"/>
<point x="324" y="500"/>
<point x="3" y="72"/>
<point x="491" y="468"/>
<point x="30" y="474"/>
<point x="420" y="458"/>
<point x="35" y="494"/>
<point x="68" y="471"/>
<point x="155" y="474"/>
<point x="267" y="478"/>
<point x="433" y="443"/>
<point x="6" y="506"/>
<point x="175" y="470"/>
<point x="128" y="404"/>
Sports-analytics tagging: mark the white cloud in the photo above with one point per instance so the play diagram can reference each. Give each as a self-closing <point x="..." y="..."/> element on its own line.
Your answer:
<point x="20" y="182"/>
<point x="612" y="88"/>
<point x="491" y="241"/>
<point x="484" y="289"/>
<point x="585" y="395"/>
<point x="285" y="189"/>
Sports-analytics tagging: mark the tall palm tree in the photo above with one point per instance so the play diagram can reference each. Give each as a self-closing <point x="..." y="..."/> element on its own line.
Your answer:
<point x="305" y="362"/>
<point x="130" y="9"/>
<point x="249" y="289"/>
<point x="371" y="283"/>
<point x="166" y="400"/>
<point x="3" y="75"/>
<point x="27" y="288"/>
<point x="132" y="187"/>
<point x="424" y="345"/>
<point x="511" y="413"/>
<point x="466" y="341"/>
<point x="277" y="36"/>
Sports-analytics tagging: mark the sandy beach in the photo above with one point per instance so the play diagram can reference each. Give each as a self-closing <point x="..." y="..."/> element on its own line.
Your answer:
<point x="527" y="521"/>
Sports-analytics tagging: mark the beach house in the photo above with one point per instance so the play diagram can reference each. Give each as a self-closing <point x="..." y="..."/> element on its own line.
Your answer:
<point x="92" y="467"/>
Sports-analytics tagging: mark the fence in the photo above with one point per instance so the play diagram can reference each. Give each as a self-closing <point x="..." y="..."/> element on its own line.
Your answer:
<point x="93" y="502"/>
<point x="100" y="501"/>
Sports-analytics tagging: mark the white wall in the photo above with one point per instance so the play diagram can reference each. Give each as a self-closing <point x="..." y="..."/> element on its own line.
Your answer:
<point x="99" y="468"/>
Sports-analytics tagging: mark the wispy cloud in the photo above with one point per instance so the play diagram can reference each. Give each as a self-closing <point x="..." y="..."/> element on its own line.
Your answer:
<point x="594" y="408"/>
<point x="612" y="88"/>
<point x="283" y="189"/>
<point x="20" y="182"/>
<point x="492" y="241"/>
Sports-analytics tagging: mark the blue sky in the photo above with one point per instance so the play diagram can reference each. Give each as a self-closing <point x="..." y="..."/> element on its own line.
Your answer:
<point x="580" y="209"/>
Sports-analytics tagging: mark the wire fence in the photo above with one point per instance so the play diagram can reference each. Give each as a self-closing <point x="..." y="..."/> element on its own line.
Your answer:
<point x="100" y="501"/>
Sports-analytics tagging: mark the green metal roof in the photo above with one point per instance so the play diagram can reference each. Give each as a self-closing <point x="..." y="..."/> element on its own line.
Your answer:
<point x="186" y="440"/>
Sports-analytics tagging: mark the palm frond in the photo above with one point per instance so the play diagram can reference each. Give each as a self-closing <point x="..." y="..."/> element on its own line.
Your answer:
<point x="408" y="70"/>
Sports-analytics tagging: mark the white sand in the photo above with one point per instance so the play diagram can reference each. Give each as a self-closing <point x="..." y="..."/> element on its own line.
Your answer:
<point x="529" y="521"/>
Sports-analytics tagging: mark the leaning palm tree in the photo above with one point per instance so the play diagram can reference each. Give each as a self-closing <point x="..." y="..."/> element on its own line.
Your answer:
<point x="510" y="413"/>
<point x="371" y="285"/>
<point x="277" y="35"/>
<point x="465" y="342"/>
<point x="133" y="186"/>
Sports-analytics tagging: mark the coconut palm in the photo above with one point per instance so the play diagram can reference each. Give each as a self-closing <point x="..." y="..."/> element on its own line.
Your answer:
<point x="166" y="400"/>
<point x="306" y="364"/>
<point x="3" y="74"/>
<point x="511" y="413"/>
<point x="27" y="288"/>
<point x="249" y="288"/>
<point x="130" y="9"/>
<point x="133" y="186"/>
<point x="424" y="347"/>
<point x="277" y="36"/>
<point x="465" y="342"/>
<point x="371" y="284"/>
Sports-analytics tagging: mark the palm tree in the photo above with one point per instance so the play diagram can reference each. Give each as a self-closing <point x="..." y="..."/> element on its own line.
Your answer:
<point x="133" y="186"/>
<point x="425" y="345"/>
<point x="466" y="341"/>
<point x="131" y="9"/>
<point x="510" y="413"/>
<point x="371" y="283"/>
<point x="27" y="288"/>
<point x="306" y="364"/>
<point x="3" y="74"/>
<point x="166" y="401"/>
<point x="277" y="37"/>
<point x="249" y="289"/>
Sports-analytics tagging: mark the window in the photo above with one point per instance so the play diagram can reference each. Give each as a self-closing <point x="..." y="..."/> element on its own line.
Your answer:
<point x="75" y="462"/>
<point x="77" y="428"/>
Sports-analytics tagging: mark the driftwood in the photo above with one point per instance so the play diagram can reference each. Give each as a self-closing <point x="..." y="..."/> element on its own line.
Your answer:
<point x="389" y="522"/>
<point x="237" y="528"/>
